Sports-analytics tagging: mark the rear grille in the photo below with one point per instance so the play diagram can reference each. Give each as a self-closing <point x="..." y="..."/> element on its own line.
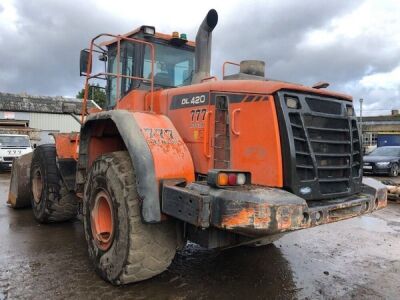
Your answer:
<point x="323" y="145"/>
<point x="324" y="107"/>
<point x="221" y="138"/>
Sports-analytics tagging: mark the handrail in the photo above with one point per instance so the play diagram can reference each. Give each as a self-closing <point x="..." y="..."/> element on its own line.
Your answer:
<point x="122" y="76"/>
<point x="118" y="74"/>
<point x="233" y="125"/>
<point x="209" y="78"/>
<point x="228" y="63"/>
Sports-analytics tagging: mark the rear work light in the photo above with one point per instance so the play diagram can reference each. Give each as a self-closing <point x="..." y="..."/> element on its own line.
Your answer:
<point x="226" y="178"/>
<point x="292" y="102"/>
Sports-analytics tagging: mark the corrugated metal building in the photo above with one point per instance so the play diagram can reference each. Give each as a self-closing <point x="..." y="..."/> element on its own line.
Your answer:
<point x="38" y="115"/>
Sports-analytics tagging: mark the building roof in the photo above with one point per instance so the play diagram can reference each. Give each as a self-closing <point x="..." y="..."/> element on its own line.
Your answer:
<point x="386" y="118"/>
<point x="44" y="104"/>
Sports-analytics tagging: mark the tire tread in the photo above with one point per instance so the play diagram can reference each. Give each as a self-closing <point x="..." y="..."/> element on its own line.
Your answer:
<point x="61" y="204"/>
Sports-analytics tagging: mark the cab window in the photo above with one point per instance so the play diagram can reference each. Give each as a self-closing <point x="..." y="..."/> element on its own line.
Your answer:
<point x="126" y="67"/>
<point x="172" y="67"/>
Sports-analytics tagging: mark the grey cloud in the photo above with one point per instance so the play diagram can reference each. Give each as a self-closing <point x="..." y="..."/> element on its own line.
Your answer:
<point x="274" y="32"/>
<point x="339" y="63"/>
<point x="376" y="100"/>
<point x="42" y="57"/>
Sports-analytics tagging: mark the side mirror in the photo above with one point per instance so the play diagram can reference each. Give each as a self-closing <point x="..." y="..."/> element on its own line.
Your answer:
<point x="83" y="62"/>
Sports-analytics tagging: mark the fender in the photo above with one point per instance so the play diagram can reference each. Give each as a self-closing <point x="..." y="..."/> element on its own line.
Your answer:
<point x="156" y="149"/>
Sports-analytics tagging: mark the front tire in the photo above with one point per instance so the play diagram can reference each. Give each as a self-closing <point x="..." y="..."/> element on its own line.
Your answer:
<point x="51" y="201"/>
<point x="121" y="247"/>
<point x="394" y="170"/>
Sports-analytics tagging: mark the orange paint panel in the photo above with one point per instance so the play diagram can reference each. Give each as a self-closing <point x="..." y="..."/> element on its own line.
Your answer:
<point x="103" y="144"/>
<point x="192" y="123"/>
<point x="267" y="87"/>
<point x="133" y="101"/>
<point x="248" y="217"/>
<point x="255" y="142"/>
<point x="67" y="145"/>
<point x="171" y="156"/>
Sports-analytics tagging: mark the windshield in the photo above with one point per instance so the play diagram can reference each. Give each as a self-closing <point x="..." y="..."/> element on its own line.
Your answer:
<point x="172" y="67"/>
<point x="386" y="151"/>
<point x="14" y="141"/>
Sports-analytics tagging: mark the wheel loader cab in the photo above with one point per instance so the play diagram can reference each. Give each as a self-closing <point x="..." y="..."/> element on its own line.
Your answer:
<point x="173" y="63"/>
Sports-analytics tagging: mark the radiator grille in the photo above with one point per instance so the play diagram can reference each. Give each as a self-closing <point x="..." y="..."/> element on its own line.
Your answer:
<point x="324" y="147"/>
<point x="221" y="139"/>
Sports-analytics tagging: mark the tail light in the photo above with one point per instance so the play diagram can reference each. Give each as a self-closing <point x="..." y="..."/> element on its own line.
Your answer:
<point x="225" y="178"/>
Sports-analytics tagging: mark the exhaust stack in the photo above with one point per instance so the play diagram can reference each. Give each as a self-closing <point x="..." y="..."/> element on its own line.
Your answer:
<point x="203" y="46"/>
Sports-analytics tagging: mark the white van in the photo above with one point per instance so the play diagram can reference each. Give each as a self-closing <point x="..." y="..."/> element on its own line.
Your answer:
<point x="12" y="146"/>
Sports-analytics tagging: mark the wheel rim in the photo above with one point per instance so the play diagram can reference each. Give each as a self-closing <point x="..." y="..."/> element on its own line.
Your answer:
<point x="37" y="186"/>
<point x="395" y="170"/>
<point x="102" y="220"/>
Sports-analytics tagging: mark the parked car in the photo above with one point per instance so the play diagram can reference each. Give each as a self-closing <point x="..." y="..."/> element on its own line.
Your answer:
<point x="383" y="160"/>
<point x="12" y="146"/>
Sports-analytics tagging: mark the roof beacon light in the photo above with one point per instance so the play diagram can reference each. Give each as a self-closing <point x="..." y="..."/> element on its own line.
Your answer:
<point x="175" y="35"/>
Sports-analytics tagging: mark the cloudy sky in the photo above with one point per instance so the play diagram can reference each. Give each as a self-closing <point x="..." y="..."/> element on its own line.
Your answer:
<point x="354" y="45"/>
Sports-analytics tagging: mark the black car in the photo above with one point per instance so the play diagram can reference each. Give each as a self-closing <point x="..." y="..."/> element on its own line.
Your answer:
<point x="383" y="160"/>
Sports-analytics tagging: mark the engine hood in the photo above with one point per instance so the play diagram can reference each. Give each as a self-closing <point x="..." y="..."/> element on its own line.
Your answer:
<point x="370" y="158"/>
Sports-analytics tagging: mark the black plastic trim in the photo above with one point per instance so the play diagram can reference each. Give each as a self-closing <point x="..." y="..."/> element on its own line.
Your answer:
<point x="298" y="120"/>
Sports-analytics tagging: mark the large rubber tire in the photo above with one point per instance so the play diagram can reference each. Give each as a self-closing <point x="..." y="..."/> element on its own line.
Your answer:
<point x="134" y="251"/>
<point x="51" y="201"/>
<point x="394" y="170"/>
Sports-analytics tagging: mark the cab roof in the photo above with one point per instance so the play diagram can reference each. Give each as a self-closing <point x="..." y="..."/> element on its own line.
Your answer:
<point x="158" y="35"/>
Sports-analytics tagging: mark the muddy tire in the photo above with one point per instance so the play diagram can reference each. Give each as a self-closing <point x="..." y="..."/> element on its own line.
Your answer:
<point x="121" y="247"/>
<point x="51" y="201"/>
<point x="394" y="170"/>
<point x="19" y="194"/>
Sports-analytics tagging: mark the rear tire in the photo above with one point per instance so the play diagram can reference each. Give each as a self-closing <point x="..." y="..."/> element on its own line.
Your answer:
<point x="394" y="170"/>
<point x="121" y="247"/>
<point x="51" y="201"/>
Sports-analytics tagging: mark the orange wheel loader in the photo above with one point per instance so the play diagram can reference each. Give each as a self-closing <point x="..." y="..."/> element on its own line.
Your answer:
<point x="178" y="155"/>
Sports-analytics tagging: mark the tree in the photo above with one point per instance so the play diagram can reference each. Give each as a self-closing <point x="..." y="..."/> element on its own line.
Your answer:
<point x="96" y="93"/>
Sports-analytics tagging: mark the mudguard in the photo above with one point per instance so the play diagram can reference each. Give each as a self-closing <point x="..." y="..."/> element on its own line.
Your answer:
<point x="155" y="147"/>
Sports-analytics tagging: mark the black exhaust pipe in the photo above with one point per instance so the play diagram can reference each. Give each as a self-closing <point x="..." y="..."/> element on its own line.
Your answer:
<point x="203" y="46"/>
